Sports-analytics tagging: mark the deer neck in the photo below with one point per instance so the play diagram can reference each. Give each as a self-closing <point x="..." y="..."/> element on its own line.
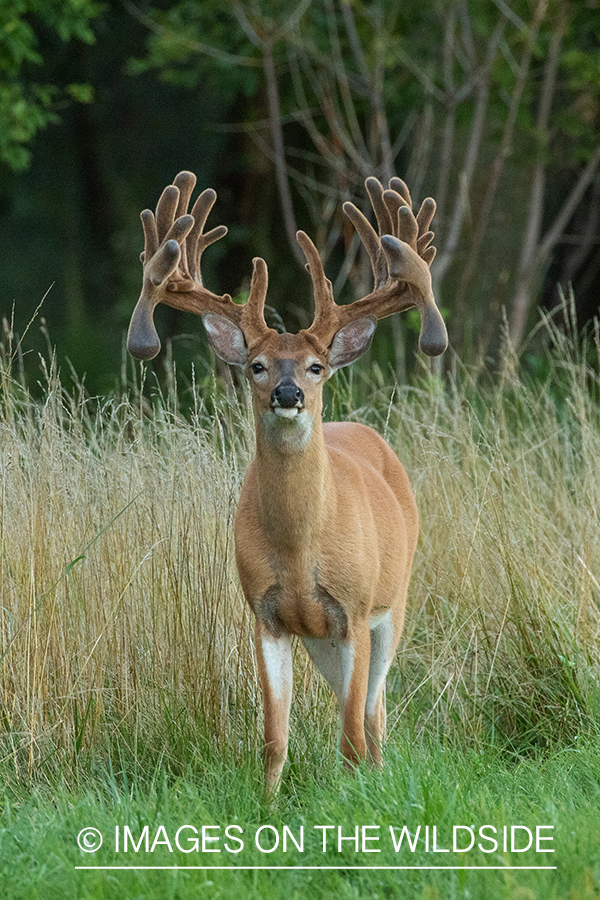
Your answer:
<point x="294" y="480"/>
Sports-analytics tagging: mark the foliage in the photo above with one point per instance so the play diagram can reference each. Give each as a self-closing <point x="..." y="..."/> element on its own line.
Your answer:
<point x="284" y="108"/>
<point x="27" y="106"/>
<point x="361" y="90"/>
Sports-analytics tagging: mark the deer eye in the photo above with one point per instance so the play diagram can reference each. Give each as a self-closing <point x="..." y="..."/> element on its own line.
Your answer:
<point x="316" y="368"/>
<point x="257" y="368"/>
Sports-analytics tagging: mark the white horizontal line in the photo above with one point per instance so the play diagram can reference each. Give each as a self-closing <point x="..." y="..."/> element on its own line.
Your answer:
<point x="313" y="868"/>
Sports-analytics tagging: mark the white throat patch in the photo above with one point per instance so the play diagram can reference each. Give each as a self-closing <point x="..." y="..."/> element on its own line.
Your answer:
<point x="289" y="430"/>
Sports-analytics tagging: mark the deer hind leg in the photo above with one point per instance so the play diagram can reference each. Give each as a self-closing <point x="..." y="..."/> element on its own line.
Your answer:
<point x="327" y="657"/>
<point x="335" y="659"/>
<point x="355" y="661"/>
<point x="274" y="655"/>
<point x="383" y="647"/>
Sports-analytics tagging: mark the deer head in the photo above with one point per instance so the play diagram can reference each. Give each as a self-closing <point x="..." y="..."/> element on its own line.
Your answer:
<point x="287" y="372"/>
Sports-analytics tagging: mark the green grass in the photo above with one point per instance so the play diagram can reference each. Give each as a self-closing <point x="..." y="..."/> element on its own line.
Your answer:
<point x="128" y="683"/>
<point x="422" y="785"/>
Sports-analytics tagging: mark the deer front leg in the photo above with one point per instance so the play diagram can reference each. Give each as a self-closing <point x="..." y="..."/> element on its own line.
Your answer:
<point x="274" y="655"/>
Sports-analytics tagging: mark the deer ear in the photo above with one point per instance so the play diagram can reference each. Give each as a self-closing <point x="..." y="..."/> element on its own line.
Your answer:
<point x="226" y="339"/>
<point x="351" y="341"/>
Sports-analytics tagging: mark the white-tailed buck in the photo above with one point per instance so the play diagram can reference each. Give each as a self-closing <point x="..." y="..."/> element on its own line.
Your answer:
<point x="327" y="525"/>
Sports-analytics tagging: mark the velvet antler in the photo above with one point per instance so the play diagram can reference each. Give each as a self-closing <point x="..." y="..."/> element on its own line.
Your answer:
<point x="400" y="257"/>
<point x="174" y="242"/>
<point x="400" y="254"/>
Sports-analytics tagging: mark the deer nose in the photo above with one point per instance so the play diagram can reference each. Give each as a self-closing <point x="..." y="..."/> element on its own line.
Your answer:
<point x="287" y="394"/>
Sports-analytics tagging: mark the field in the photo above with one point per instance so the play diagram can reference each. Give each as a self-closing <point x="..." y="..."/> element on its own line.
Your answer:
<point x="129" y="693"/>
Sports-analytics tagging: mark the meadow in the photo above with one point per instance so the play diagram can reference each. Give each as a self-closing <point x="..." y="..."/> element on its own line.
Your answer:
<point x="129" y="691"/>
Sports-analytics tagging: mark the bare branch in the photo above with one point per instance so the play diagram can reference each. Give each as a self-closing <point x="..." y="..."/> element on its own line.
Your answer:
<point x="511" y="15"/>
<point x="448" y="54"/>
<point x="448" y="132"/>
<point x="585" y="240"/>
<point x="421" y="155"/>
<point x="509" y="57"/>
<point x="505" y="143"/>
<point x="529" y="259"/>
<point x="342" y="77"/>
<point x="429" y="86"/>
<point x="347" y="265"/>
<point x="409" y="124"/>
<point x="461" y="203"/>
<point x="536" y="200"/>
<point x="330" y="151"/>
<point x="305" y="115"/>
<point x="335" y="124"/>
<point x="283" y="185"/>
<point x="269" y="31"/>
<point x="299" y="177"/>
<point x="354" y="38"/>
<point x="380" y="119"/>
<point x="246" y="26"/>
<point x="562" y="220"/>
<point x="467" y="32"/>
<point x="294" y="18"/>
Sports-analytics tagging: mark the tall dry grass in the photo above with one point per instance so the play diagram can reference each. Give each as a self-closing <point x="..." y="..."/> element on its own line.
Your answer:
<point x="122" y="624"/>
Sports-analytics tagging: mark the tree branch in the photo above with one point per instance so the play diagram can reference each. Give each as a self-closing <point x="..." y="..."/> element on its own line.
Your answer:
<point x="554" y="233"/>
<point x="465" y="178"/>
<point x="529" y="260"/>
<point x="505" y="144"/>
<point x="283" y="185"/>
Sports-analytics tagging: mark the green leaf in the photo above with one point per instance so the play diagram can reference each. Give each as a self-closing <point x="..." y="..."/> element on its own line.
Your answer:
<point x="83" y="93"/>
<point x="73" y="563"/>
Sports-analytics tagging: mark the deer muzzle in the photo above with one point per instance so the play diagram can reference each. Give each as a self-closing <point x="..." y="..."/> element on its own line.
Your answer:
<point x="287" y="399"/>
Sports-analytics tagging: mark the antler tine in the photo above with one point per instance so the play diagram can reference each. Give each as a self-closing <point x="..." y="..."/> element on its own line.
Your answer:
<point x="368" y="236"/>
<point x="426" y="214"/>
<point x="394" y="202"/>
<point x="382" y="213"/>
<point x="407" y="266"/>
<point x="142" y="339"/>
<point x="168" y="257"/>
<point x="150" y="235"/>
<point x="406" y="227"/>
<point x="185" y="182"/>
<point x="408" y="255"/>
<point x="253" y="311"/>
<point x="326" y="310"/>
<point x="197" y="242"/>
<point x="165" y="210"/>
<point x="401" y="187"/>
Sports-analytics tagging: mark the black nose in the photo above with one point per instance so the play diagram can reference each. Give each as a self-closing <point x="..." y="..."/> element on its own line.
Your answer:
<point x="287" y="394"/>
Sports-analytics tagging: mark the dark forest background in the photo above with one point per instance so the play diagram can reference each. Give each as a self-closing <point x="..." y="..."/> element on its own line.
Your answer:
<point x="490" y="106"/>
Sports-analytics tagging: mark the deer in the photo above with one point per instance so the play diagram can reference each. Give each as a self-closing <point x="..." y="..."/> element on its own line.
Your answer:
<point x="327" y="524"/>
